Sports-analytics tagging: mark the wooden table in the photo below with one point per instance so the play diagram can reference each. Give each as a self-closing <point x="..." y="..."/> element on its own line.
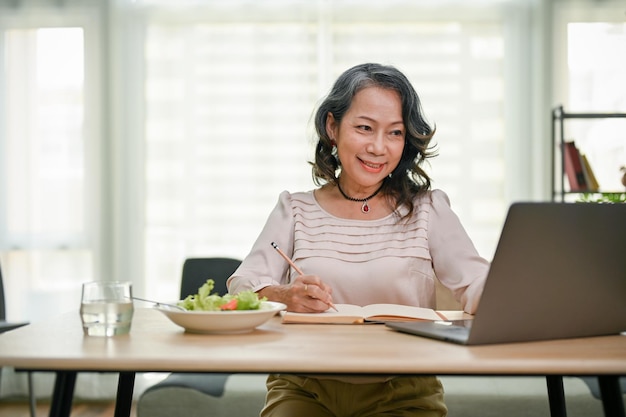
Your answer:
<point x="157" y="345"/>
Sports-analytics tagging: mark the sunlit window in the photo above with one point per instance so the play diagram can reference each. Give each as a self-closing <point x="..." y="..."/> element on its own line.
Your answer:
<point x="597" y="64"/>
<point x="228" y="110"/>
<point x="44" y="228"/>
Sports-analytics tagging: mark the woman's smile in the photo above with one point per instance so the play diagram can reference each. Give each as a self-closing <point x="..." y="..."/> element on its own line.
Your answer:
<point x="371" y="166"/>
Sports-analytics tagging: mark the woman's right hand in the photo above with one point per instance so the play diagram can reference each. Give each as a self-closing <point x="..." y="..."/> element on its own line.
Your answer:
<point x="305" y="294"/>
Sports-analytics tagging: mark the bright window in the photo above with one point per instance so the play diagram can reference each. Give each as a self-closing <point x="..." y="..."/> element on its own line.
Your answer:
<point x="43" y="188"/>
<point x="228" y="108"/>
<point x="597" y="64"/>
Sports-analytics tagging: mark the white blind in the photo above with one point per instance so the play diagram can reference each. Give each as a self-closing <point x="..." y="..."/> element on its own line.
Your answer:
<point x="227" y="107"/>
<point x="228" y="103"/>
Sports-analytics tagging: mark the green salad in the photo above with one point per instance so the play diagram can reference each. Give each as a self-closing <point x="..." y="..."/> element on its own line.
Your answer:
<point x="205" y="301"/>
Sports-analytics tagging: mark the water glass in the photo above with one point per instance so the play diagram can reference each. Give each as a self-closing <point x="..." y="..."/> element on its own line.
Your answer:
<point x="106" y="308"/>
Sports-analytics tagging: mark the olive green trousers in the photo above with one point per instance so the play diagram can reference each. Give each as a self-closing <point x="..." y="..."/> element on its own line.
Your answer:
<point x="402" y="396"/>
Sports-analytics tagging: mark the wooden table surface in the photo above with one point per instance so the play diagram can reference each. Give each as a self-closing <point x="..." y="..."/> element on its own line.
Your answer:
<point x="156" y="344"/>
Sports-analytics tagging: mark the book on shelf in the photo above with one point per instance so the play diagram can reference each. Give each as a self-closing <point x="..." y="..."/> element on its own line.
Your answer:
<point x="353" y="314"/>
<point x="590" y="177"/>
<point x="574" y="167"/>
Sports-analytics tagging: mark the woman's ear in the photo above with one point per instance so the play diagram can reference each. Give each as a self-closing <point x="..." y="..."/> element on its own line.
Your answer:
<point x="331" y="126"/>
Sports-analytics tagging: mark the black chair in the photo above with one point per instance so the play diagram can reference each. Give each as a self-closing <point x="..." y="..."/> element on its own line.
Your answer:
<point x="5" y="326"/>
<point x="196" y="271"/>
<point x="175" y="395"/>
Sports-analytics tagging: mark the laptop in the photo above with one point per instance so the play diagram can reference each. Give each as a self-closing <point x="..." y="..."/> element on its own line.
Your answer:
<point x="559" y="271"/>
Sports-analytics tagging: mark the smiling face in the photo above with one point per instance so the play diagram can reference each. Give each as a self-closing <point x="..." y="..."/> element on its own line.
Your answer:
<point x="369" y="138"/>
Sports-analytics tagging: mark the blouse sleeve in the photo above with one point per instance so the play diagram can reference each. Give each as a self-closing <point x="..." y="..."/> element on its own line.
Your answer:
<point x="456" y="261"/>
<point x="263" y="266"/>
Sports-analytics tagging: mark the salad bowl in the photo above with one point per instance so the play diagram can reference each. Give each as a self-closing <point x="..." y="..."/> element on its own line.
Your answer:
<point x="221" y="322"/>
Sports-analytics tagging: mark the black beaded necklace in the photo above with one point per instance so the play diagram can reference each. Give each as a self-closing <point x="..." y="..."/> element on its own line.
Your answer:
<point x="365" y="208"/>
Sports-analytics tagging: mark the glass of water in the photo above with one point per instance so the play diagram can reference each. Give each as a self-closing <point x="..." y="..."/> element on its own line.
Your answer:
<point x="106" y="308"/>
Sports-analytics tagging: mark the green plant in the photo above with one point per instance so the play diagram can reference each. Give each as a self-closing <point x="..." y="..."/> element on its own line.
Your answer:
<point x="603" y="198"/>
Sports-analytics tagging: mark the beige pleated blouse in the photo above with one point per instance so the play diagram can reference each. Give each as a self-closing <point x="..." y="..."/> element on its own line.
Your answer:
<point x="386" y="260"/>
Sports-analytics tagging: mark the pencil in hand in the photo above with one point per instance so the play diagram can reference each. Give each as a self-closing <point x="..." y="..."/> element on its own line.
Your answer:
<point x="295" y="267"/>
<point x="289" y="261"/>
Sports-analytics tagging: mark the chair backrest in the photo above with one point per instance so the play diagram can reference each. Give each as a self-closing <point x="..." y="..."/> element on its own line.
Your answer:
<point x="197" y="270"/>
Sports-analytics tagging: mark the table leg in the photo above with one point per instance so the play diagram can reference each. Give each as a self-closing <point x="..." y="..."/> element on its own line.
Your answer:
<point x="556" y="396"/>
<point x="63" y="394"/>
<point x="611" y="393"/>
<point x="125" y="387"/>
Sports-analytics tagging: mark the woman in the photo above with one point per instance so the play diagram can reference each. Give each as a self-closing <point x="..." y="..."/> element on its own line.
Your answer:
<point x="373" y="232"/>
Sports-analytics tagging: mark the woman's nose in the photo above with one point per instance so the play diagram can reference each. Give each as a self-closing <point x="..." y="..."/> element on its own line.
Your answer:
<point x="376" y="146"/>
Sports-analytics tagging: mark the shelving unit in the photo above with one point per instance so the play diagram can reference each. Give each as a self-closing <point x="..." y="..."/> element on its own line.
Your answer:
<point x="559" y="116"/>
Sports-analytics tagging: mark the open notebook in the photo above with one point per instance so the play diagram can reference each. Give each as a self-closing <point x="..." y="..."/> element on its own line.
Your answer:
<point x="559" y="271"/>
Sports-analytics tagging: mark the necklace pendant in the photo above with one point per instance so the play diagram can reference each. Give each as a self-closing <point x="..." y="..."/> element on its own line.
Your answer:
<point x="365" y="208"/>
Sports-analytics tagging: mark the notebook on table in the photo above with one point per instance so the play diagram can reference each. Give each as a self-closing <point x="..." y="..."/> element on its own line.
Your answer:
<point x="559" y="271"/>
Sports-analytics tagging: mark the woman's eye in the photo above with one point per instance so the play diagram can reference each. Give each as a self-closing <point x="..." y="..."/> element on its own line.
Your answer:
<point x="364" y="127"/>
<point x="397" y="133"/>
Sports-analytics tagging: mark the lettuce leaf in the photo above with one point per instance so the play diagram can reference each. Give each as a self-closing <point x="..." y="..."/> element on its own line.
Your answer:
<point x="205" y="301"/>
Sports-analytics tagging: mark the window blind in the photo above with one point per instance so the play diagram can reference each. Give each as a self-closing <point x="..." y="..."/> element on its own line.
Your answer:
<point x="228" y="109"/>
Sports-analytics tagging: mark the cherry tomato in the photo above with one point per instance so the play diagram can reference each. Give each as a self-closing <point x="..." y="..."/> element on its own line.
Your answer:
<point x="231" y="305"/>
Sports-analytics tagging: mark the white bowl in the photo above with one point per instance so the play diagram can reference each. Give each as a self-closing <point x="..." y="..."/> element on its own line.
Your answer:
<point x="231" y="321"/>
